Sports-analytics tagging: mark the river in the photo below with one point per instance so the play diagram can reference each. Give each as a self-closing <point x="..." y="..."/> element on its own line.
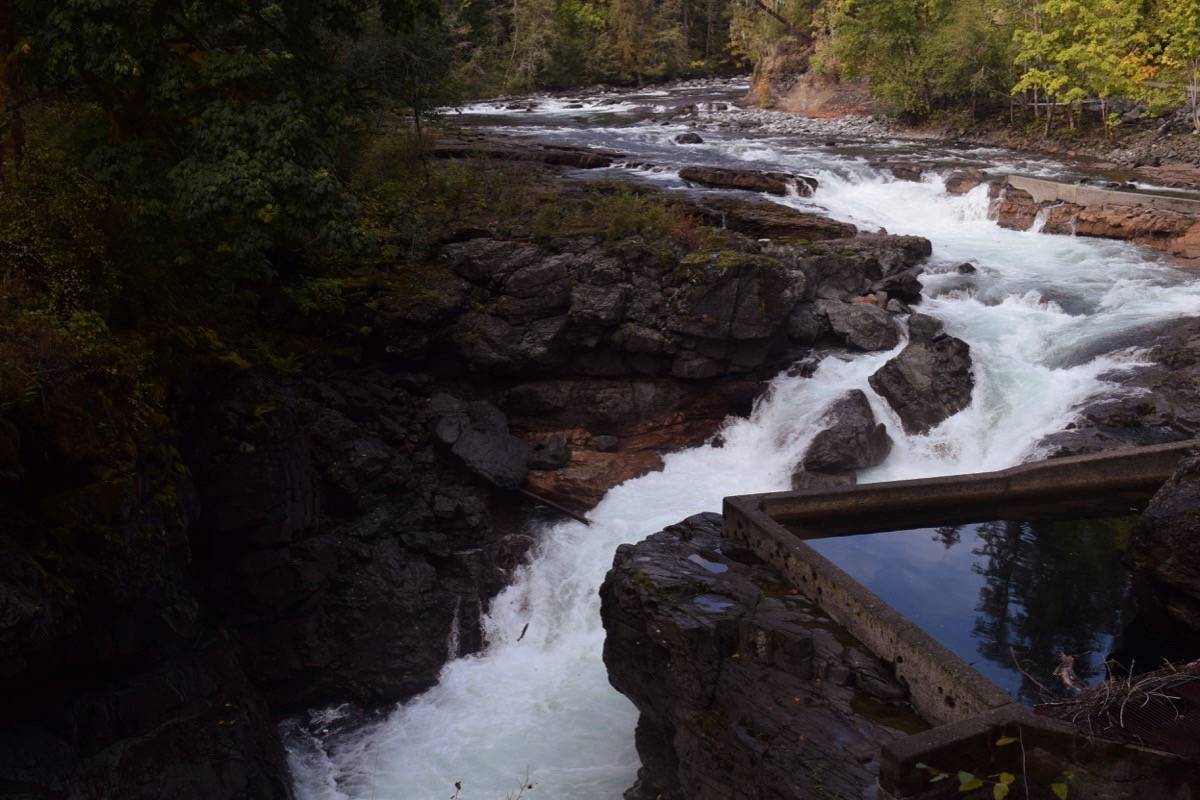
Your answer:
<point x="538" y="710"/>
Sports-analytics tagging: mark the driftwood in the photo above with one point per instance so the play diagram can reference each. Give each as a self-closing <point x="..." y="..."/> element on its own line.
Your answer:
<point x="1159" y="709"/>
<point x="551" y="504"/>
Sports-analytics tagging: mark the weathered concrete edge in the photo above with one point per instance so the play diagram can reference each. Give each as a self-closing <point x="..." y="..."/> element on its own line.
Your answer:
<point x="1048" y="191"/>
<point x="1141" y="469"/>
<point x="942" y="687"/>
<point x="982" y="712"/>
<point x="973" y="743"/>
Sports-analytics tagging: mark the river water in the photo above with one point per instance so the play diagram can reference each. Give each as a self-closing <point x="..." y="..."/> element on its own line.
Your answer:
<point x="1039" y="315"/>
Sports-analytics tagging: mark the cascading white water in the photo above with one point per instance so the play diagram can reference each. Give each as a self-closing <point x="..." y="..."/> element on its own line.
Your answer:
<point x="540" y="706"/>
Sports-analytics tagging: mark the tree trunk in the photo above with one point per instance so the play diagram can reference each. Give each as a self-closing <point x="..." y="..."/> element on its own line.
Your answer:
<point x="1194" y="93"/>
<point x="778" y="17"/>
<point x="12" y="126"/>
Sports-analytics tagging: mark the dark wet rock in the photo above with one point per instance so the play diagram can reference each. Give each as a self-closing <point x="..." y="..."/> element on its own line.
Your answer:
<point x="477" y="434"/>
<point x="737" y="689"/>
<point x="779" y="183"/>
<point x="929" y="381"/>
<point x="764" y="220"/>
<point x="902" y="170"/>
<point x="515" y="150"/>
<point x="604" y="443"/>
<point x="1163" y="552"/>
<point x="805" y="367"/>
<point x="552" y="453"/>
<point x="177" y="721"/>
<point x="964" y="181"/>
<point x="966" y="268"/>
<point x="853" y="439"/>
<point x="923" y="326"/>
<point x="688" y="138"/>
<point x="1156" y="403"/>
<point x="807" y="324"/>
<point x="845" y="268"/>
<point x="862" y="326"/>
<point x="286" y="516"/>
<point x="904" y="286"/>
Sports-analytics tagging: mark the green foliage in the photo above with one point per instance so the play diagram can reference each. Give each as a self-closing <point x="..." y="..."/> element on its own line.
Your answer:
<point x="920" y="55"/>
<point x="1001" y="782"/>
<point x="217" y="120"/>
<point x="318" y="297"/>
<point x="628" y="214"/>
<point x="519" y="45"/>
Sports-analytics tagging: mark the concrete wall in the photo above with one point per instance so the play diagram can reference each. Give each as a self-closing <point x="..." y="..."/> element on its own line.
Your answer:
<point x="943" y="688"/>
<point x="1045" y="191"/>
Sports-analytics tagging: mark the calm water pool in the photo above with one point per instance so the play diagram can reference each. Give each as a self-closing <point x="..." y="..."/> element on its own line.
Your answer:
<point x="995" y="591"/>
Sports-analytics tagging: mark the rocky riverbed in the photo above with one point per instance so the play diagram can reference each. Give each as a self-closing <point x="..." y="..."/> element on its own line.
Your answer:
<point x="295" y="540"/>
<point x="297" y="514"/>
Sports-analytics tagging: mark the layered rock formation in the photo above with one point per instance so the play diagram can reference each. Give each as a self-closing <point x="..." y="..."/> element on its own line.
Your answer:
<point x="783" y="81"/>
<point x="745" y="689"/>
<point x="1155" y="402"/>
<point x="273" y="541"/>
<point x="1163" y="552"/>
<point x="578" y="340"/>
<point x="1173" y="232"/>
<point x="778" y="183"/>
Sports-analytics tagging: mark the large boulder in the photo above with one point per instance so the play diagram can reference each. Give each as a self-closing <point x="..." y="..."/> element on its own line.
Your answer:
<point x="964" y="181"/>
<point x="1163" y="552"/>
<point x="740" y="690"/>
<point x="903" y="286"/>
<point x="862" y="326"/>
<point x="750" y="180"/>
<point x="477" y="433"/>
<point x="930" y="380"/>
<point x="767" y="220"/>
<point x="853" y="440"/>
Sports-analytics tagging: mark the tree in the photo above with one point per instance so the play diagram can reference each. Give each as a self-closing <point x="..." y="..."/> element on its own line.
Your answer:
<point x="922" y="55"/>
<point x="216" y="120"/>
<point x="1179" y="24"/>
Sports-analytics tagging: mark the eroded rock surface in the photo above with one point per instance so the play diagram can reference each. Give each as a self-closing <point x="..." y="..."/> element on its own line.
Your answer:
<point x="930" y="380"/>
<point x="745" y="690"/>
<point x="1154" y="403"/>
<point x="280" y="541"/>
<point x="766" y="220"/>
<point x="853" y="440"/>
<point x="779" y="183"/>
<point x="1163" y="552"/>
<point x="1172" y="232"/>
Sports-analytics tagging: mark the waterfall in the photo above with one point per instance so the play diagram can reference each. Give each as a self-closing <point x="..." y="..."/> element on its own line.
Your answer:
<point x="542" y="704"/>
<point x="453" y="645"/>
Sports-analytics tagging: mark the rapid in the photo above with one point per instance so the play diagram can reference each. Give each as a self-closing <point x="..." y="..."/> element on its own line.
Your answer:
<point x="1044" y="316"/>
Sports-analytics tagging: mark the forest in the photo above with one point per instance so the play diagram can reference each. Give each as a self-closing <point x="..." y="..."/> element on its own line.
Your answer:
<point x="1046" y="59"/>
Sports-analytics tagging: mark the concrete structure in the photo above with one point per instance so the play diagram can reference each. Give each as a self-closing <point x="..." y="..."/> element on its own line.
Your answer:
<point x="943" y="688"/>
<point x="1047" y="191"/>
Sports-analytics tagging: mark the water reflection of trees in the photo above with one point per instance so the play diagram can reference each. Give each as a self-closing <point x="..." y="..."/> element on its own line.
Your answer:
<point x="1049" y="587"/>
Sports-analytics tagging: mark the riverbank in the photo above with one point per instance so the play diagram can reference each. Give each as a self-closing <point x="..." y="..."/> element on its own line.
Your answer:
<point x="362" y="447"/>
<point x="1161" y="152"/>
